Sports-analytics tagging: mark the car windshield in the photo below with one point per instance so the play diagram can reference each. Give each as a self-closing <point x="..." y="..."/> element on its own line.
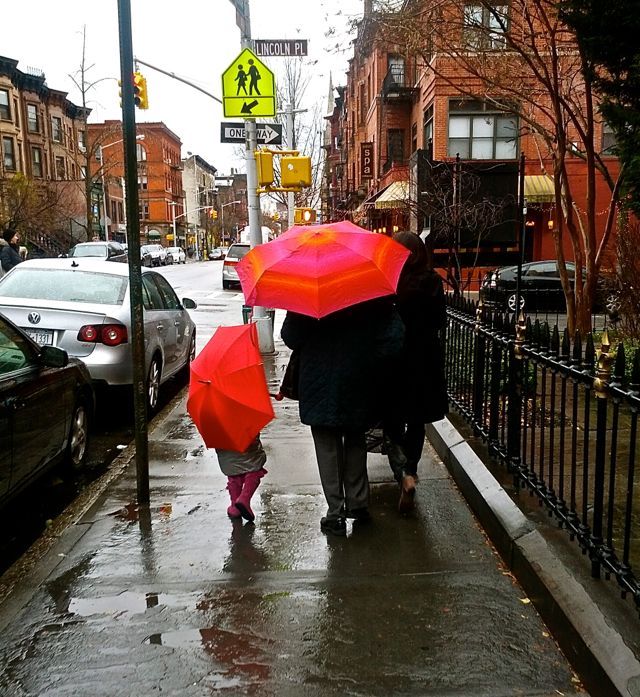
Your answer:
<point x="88" y="250"/>
<point x="237" y="251"/>
<point x="65" y="285"/>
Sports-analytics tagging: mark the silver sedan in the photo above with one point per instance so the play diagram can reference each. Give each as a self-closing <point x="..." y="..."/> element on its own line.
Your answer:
<point x="82" y="306"/>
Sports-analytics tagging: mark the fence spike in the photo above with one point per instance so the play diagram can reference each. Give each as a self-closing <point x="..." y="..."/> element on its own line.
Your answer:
<point x="555" y="341"/>
<point x="619" y="366"/>
<point x="545" y="336"/>
<point x="529" y="331"/>
<point x="635" y="372"/>
<point x="566" y="345"/>
<point x="577" y="349"/>
<point x="589" y="351"/>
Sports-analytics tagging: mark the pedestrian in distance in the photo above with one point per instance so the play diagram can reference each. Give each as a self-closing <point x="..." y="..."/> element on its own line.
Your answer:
<point x="10" y="251"/>
<point x="340" y="358"/>
<point x="417" y="388"/>
<point x="244" y="471"/>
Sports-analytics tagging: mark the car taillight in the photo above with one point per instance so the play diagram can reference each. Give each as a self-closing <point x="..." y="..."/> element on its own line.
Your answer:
<point x="107" y="334"/>
<point x="230" y="262"/>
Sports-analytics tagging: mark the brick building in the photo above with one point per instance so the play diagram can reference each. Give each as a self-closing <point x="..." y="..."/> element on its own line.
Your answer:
<point x="42" y="135"/>
<point x="403" y="113"/>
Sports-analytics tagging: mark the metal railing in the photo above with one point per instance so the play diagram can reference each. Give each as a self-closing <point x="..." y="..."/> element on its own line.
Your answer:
<point x="563" y="418"/>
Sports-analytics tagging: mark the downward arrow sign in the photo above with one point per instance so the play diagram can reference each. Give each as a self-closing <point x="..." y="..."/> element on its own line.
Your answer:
<point x="246" y="108"/>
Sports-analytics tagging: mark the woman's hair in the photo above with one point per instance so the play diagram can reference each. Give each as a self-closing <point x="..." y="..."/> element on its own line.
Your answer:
<point x="418" y="257"/>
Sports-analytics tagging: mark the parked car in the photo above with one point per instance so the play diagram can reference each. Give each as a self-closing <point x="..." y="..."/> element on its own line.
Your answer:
<point x="540" y="288"/>
<point x="176" y="255"/>
<point x="111" y="250"/>
<point x="82" y="306"/>
<point x="157" y="253"/>
<point x="47" y="406"/>
<point x="217" y="253"/>
<point x="229" y="274"/>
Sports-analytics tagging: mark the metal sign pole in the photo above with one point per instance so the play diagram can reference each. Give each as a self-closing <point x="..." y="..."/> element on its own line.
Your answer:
<point x="133" y="239"/>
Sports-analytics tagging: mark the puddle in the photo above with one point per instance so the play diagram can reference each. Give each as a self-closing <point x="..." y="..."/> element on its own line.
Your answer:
<point x="128" y="603"/>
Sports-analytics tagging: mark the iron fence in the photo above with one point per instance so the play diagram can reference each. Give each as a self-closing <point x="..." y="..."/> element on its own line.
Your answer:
<point x="563" y="418"/>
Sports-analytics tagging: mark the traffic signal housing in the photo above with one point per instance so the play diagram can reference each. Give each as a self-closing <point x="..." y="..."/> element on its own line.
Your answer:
<point x="295" y="171"/>
<point x="214" y="214"/>
<point x="140" y="96"/>
<point x="304" y="216"/>
<point x="264" y="167"/>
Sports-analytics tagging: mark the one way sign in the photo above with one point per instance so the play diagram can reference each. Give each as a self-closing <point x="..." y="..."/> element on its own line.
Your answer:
<point x="268" y="133"/>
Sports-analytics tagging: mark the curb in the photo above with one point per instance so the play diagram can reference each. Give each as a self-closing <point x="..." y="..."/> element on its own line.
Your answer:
<point x="596" y="650"/>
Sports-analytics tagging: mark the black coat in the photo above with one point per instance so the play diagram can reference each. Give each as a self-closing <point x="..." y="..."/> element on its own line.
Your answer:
<point x="342" y="360"/>
<point x="418" y="387"/>
<point x="9" y="256"/>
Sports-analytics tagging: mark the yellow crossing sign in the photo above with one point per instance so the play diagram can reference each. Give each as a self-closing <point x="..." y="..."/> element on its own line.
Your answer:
<point x="248" y="88"/>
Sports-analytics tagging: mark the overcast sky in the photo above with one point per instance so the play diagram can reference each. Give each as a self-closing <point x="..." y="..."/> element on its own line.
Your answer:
<point x="195" y="39"/>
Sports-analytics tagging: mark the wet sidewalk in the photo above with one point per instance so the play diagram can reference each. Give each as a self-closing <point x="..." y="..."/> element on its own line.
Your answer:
<point x="178" y="600"/>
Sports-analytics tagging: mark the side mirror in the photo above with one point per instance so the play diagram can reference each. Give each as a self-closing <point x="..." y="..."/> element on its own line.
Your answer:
<point x="53" y="357"/>
<point x="189" y="304"/>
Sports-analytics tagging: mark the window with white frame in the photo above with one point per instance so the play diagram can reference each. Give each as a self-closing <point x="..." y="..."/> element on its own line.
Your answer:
<point x="5" y="109"/>
<point x="33" y="121"/>
<point x="60" y="168"/>
<point x="9" y="154"/>
<point x="143" y="182"/>
<point x="427" y="127"/>
<point x="36" y="162"/>
<point x="141" y="153"/>
<point x="484" y="26"/>
<point x="478" y="131"/>
<point x="56" y="129"/>
<point x="82" y="140"/>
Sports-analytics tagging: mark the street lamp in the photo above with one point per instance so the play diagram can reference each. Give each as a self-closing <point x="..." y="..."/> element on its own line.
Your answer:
<point x="104" y="190"/>
<point x="230" y="203"/>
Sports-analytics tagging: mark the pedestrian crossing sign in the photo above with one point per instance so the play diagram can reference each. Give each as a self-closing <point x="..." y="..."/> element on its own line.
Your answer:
<point x="248" y="88"/>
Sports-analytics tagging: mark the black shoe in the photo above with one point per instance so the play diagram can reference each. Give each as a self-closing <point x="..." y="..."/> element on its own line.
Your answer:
<point x="335" y="526"/>
<point x="362" y="515"/>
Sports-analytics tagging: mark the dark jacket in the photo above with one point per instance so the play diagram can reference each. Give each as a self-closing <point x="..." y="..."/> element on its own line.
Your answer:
<point x="418" y="388"/>
<point x="342" y="358"/>
<point x="9" y="257"/>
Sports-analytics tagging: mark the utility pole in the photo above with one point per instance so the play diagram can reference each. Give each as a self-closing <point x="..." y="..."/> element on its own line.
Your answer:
<point x="262" y="321"/>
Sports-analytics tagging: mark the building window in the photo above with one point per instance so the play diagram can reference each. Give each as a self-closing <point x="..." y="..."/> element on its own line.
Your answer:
<point x="489" y="135"/>
<point x="82" y="141"/>
<point x="83" y="171"/>
<point x="33" y="122"/>
<point x="395" y="146"/>
<point x="427" y="128"/>
<point x="143" y="183"/>
<point x="8" y="154"/>
<point x="395" y="66"/>
<point x="5" y="109"/>
<point x="56" y="129"/>
<point x="36" y="162"/>
<point x="609" y="140"/>
<point x="414" y="137"/>
<point x="141" y="153"/>
<point x="60" y="168"/>
<point x="144" y="210"/>
<point x="485" y="27"/>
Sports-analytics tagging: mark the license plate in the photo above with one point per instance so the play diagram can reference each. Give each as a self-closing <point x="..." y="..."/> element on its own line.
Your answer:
<point x="44" y="337"/>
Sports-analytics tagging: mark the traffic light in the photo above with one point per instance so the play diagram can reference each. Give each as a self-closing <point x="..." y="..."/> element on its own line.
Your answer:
<point x="295" y="171"/>
<point x="304" y="216"/>
<point x="214" y="214"/>
<point x="264" y="167"/>
<point x="140" y="91"/>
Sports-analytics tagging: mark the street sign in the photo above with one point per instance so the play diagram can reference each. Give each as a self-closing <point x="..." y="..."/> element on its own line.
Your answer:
<point x="268" y="133"/>
<point x="280" y="47"/>
<point x="248" y="88"/>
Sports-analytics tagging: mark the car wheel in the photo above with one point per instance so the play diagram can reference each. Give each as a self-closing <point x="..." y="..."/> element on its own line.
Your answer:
<point x="78" y="443"/>
<point x="511" y="302"/>
<point x="153" y="385"/>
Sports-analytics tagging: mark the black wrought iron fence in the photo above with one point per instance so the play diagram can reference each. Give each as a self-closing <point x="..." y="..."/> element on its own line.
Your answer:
<point x="563" y="417"/>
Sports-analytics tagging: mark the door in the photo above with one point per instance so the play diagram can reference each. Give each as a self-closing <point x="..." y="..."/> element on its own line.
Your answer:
<point x="159" y="328"/>
<point x="179" y="321"/>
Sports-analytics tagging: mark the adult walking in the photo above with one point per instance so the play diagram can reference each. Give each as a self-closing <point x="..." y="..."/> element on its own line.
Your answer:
<point x="417" y="388"/>
<point x="341" y="357"/>
<point x="10" y="250"/>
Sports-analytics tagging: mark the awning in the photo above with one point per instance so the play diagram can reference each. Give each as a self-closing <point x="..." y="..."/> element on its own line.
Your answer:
<point x="396" y="195"/>
<point x="154" y="235"/>
<point x="538" y="188"/>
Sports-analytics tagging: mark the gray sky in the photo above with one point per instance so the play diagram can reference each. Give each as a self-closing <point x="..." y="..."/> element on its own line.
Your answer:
<point x="195" y="39"/>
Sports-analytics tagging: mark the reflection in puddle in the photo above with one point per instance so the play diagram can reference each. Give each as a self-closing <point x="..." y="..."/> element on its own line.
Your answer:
<point x="127" y="603"/>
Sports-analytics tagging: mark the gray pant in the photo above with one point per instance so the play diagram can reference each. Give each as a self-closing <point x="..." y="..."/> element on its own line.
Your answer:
<point x="342" y="462"/>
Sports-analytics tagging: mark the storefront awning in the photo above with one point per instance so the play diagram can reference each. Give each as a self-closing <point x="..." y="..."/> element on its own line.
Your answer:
<point x="154" y="235"/>
<point x="396" y="195"/>
<point x="538" y="188"/>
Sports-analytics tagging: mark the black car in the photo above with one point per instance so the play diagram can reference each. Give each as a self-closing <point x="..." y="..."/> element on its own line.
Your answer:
<point x="540" y="288"/>
<point x="46" y="407"/>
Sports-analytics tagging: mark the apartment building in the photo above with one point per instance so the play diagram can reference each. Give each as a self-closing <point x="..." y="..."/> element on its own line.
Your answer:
<point x="201" y="203"/>
<point x="43" y="136"/>
<point x="416" y="109"/>
<point x="160" y="187"/>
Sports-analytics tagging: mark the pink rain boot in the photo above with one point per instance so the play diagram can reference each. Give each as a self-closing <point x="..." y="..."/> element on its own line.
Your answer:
<point x="249" y="486"/>
<point x="234" y="487"/>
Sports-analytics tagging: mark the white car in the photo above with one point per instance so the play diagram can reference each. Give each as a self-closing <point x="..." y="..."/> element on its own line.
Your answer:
<point x="82" y="306"/>
<point x="156" y="252"/>
<point x="177" y="255"/>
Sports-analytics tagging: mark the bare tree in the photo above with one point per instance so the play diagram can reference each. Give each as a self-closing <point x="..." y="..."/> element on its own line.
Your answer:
<point x="521" y="59"/>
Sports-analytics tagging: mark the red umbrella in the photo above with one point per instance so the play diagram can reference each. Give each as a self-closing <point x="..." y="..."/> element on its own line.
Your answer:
<point x="319" y="269"/>
<point x="228" y="397"/>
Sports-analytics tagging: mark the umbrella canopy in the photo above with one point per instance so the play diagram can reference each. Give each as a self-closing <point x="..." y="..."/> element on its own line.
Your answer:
<point x="319" y="269"/>
<point x="228" y="397"/>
